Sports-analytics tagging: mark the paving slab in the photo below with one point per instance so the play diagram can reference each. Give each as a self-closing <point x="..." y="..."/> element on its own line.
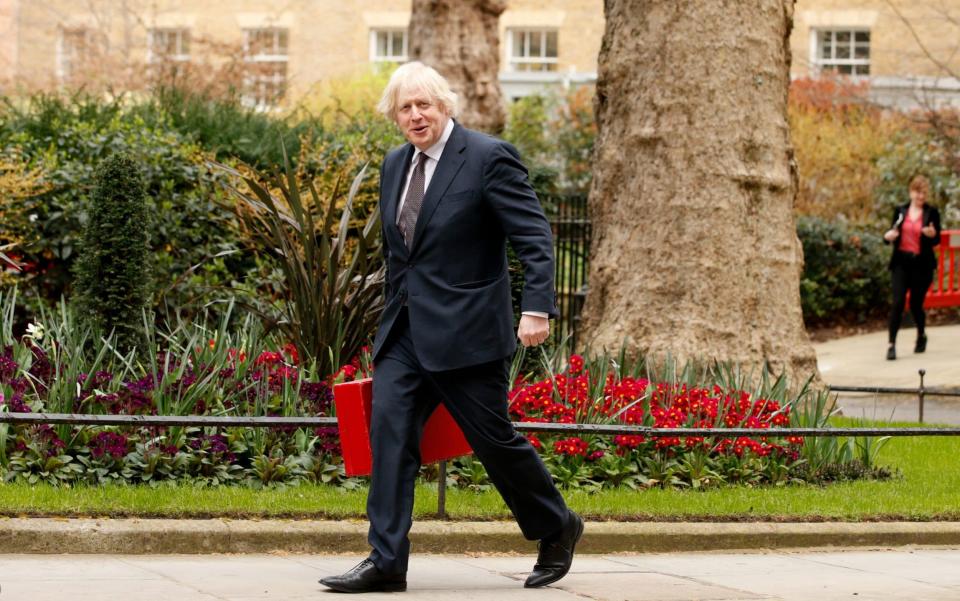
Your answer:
<point x="903" y="573"/>
<point x="861" y="361"/>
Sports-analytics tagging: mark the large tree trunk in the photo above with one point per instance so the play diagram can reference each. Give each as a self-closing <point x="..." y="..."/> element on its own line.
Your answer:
<point x="460" y="39"/>
<point x="695" y="251"/>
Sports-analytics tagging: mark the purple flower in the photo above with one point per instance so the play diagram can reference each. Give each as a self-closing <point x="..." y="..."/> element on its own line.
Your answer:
<point x="186" y="381"/>
<point x="48" y="436"/>
<point x="19" y="385"/>
<point x="102" y="378"/>
<point x="109" y="443"/>
<point x="317" y="397"/>
<point x="215" y="444"/>
<point x="145" y="384"/>
<point x="329" y="439"/>
<point x="17" y="404"/>
<point x="41" y="368"/>
<point x="8" y="366"/>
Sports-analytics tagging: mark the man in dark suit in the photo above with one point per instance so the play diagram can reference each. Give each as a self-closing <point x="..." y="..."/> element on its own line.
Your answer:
<point x="450" y="200"/>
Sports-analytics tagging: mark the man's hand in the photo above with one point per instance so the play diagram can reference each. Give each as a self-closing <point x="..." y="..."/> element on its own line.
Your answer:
<point x="929" y="231"/>
<point x="533" y="330"/>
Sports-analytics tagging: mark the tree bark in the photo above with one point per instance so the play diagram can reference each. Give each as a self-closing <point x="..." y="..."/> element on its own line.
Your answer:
<point x="695" y="252"/>
<point x="460" y="39"/>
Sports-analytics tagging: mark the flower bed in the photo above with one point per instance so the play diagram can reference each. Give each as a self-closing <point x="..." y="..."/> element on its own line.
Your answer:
<point x="220" y="378"/>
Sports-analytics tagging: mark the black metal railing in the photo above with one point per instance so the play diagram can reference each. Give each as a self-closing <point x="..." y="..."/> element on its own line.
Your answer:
<point x="563" y="428"/>
<point x="314" y="422"/>
<point x="921" y="391"/>
<point x="570" y="224"/>
<point x="87" y="419"/>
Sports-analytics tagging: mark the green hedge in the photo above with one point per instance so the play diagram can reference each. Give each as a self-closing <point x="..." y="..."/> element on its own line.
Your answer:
<point x="845" y="276"/>
<point x="66" y="139"/>
<point x="199" y="255"/>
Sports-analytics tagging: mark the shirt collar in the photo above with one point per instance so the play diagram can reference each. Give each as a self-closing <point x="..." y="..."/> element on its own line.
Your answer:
<point x="436" y="150"/>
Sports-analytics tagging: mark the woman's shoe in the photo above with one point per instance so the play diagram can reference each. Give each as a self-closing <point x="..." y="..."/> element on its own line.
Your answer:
<point x="921" y="344"/>
<point x="891" y="353"/>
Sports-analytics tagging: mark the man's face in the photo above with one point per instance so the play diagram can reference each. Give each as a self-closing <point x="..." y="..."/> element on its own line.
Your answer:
<point x="420" y="118"/>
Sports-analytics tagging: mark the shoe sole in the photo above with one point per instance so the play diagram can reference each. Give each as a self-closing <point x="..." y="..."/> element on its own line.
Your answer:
<point x="573" y="549"/>
<point x="388" y="587"/>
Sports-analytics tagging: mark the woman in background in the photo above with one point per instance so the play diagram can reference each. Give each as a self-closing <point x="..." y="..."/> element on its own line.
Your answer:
<point x="914" y="233"/>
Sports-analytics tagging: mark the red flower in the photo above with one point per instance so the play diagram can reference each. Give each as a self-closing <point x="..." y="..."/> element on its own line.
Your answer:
<point x="291" y="351"/>
<point x="268" y="358"/>
<point x="571" y="447"/>
<point x="349" y="372"/>
<point x="628" y="441"/>
<point x="576" y="364"/>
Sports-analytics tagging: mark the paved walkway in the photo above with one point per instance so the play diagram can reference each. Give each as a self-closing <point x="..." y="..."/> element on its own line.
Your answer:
<point x="861" y="361"/>
<point x="912" y="574"/>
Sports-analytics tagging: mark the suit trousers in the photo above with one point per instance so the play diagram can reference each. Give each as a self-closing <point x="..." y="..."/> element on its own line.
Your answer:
<point x="908" y="273"/>
<point x="404" y="396"/>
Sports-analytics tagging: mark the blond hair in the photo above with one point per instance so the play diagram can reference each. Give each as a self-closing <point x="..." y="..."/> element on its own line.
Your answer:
<point x="417" y="77"/>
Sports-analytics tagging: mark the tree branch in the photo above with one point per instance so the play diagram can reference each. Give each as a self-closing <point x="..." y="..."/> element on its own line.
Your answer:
<point x="944" y="67"/>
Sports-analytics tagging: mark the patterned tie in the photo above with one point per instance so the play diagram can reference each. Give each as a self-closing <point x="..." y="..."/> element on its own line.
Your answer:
<point x="411" y="205"/>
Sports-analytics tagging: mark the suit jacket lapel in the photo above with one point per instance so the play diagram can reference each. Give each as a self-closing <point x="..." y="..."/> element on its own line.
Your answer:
<point x="447" y="168"/>
<point x="392" y="188"/>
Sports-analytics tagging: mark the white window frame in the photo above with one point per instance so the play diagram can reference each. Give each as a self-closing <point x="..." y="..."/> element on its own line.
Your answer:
<point x="65" y="73"/>
<point x="258" y="100"/>
<point x="180" y="56"/>
<point x="857" y="65"/>
<point x="551" y="62"/>
<point x="391" y="33"/>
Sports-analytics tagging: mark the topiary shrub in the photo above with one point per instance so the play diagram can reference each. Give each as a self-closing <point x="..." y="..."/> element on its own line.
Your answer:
<point x="112" y="282"/>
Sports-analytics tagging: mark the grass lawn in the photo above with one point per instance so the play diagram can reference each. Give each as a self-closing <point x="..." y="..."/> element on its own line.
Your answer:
<point x="928" y="490"/>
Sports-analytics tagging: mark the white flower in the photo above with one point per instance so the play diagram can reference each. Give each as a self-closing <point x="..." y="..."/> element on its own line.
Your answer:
<point x="35" y="331"/>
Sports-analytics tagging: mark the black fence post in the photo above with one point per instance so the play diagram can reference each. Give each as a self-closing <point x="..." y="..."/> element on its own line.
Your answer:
<point x="442" y="491"/>
<point x="920" y="394"/>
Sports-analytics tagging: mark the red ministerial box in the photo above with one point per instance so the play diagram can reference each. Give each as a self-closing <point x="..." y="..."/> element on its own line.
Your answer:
<point x="442" y="437"/>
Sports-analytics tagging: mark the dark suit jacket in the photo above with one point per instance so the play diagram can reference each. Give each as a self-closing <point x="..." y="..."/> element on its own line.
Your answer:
<point x="927" y="257"/>
<point x="454" y="280"/>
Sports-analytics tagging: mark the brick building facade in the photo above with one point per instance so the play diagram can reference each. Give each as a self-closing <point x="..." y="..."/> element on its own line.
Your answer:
<point x="280" y="52"/>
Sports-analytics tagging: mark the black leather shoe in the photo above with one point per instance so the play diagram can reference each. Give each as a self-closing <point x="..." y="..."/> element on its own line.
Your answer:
<point x="555" y="554"/>
<point x="365" y="577"/>
<point x="921" y="344"/>
<point x="891" y="353"/>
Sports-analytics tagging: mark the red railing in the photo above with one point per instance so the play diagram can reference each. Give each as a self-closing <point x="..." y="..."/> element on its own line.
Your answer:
<point x="945" y="291"/>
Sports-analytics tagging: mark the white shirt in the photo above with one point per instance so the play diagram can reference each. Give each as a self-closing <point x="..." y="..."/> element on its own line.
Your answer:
<point x="433" y="157"/>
